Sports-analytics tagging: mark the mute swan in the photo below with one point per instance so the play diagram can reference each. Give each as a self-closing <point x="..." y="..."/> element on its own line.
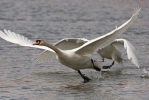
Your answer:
<point x="109" y="52"/>
<point x="77" y="58"/>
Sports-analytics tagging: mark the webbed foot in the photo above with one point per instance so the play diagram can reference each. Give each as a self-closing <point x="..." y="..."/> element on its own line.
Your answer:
<point x="86" y="79"/>
<point x="95" y="67"/>
<point x="108" y="67"/>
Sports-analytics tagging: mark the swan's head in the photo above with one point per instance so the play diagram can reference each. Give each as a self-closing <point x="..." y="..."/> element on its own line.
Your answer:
<point x="39" y="42"/>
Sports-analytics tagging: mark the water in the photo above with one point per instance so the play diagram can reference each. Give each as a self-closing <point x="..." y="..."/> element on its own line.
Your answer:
<point x="53" y="20"/>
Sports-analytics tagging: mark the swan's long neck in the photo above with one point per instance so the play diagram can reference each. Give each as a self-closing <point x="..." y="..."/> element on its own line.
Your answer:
<point x="58" y="51"/>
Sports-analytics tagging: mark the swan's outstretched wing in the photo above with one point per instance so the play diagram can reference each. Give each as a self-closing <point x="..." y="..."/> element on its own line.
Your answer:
<point x="131" y="51"/>
<point x="103" y="41"/>
<point x="64" y="44"/>
<point x="19" y="39"/>
<point x="70" y="43"/>
<point x="45" y="56"/>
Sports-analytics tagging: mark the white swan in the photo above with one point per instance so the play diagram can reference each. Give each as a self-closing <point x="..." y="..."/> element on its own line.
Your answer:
<point x="109" y="52"/>
<point x="77" y="58"/>
<point x="64" y="44"/>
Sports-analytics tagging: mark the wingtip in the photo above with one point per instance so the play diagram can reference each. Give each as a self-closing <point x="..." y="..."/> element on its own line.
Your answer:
<point x="5" y="30"/>
<point x="136" y="10"/>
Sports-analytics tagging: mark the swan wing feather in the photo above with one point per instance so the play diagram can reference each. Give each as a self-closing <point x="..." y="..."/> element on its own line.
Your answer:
<point x="19" y="39"/>
<point x="45" y="56"/>
<point x="64" y="44"/>
<point x="70" y="43"/>
<point x="105" y="40"/>
<point x="132" y="53"/>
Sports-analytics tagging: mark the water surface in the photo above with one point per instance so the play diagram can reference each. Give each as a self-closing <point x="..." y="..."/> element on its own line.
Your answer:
<point x="53" y="20"/>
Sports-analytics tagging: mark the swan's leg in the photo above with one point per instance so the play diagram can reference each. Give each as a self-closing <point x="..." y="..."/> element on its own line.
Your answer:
<point x="86" y="79"/>
<point x="107" y="67"/>
<point x="95" y="67"/>
<point x="112" y="64"/>
<point x="103" y="59"/>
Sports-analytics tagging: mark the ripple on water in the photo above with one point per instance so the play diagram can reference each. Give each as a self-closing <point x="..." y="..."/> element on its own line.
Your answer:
<point x="53" y="20"/>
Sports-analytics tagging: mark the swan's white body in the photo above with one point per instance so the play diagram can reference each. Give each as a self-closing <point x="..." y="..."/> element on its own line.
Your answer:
<point x="76" y="58"/>
<point x="75" y="61"/>
<point x="111" y="52"/>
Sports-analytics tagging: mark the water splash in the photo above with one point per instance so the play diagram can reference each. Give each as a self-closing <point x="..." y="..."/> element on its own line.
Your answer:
<point x="145" y="73"/>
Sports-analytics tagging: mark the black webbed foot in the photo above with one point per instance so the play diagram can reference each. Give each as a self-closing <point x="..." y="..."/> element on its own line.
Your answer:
<point x="108" y="67"/>
<point x="86" y="79"/>
<point x="95" y="67"/>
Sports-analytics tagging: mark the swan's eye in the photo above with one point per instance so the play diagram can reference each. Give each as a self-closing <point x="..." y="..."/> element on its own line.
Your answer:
<point x="37" y="42"/>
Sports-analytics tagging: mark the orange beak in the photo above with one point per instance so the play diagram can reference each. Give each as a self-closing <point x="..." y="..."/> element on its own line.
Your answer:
<point x="37" y="42"/>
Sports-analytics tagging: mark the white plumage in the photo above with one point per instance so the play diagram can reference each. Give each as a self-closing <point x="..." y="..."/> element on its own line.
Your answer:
<point x="75" y="58"/>
<point x="111" y="52"/>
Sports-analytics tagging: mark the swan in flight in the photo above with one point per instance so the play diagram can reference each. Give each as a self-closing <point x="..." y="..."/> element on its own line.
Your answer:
<point x="77" y="58"/>
<point x="109" y="52"/>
